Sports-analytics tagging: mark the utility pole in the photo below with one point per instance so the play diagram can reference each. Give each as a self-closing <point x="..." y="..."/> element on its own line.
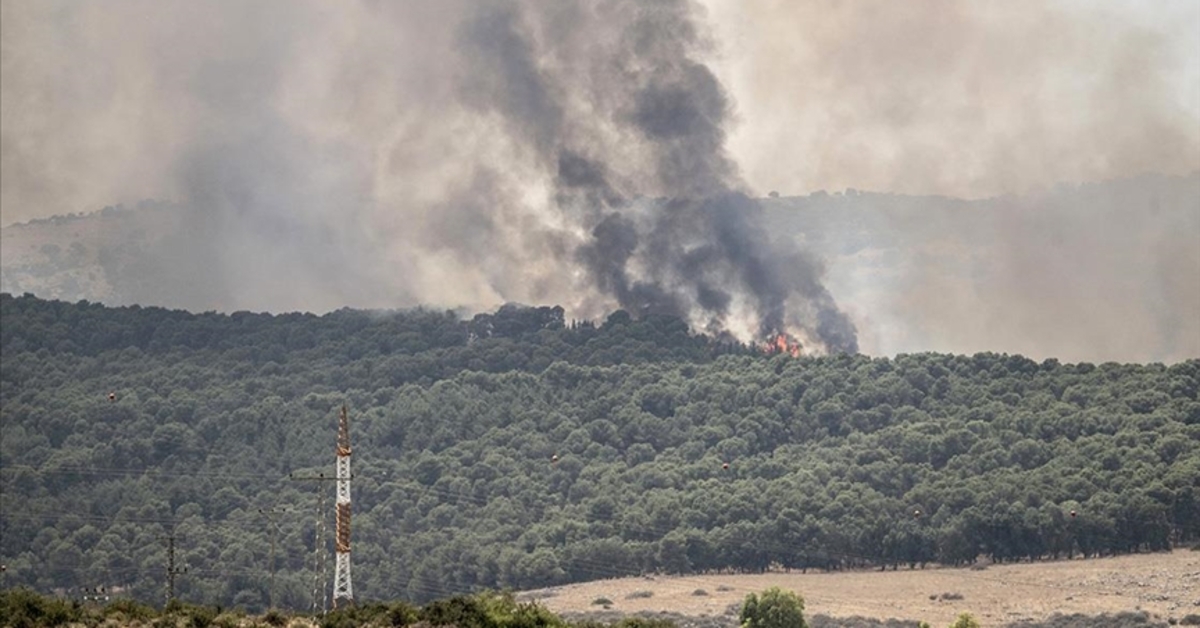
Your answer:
<point x="172" y="570"/>
<point x="319" y="555"/>
<point x="271" y="514"/>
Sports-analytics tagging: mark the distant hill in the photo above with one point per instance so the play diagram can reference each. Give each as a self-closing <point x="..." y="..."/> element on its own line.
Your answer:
<point x="1093" y="272"/>
<point x="518" y="449"/>
<point x="93" y="257"/>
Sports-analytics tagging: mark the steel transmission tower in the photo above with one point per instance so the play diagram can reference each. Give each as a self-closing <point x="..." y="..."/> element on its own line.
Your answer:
<point x="342" y="589"/>
<point x="320" y="596"/>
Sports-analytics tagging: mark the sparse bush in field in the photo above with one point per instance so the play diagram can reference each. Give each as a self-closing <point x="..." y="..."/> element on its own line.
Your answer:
<point x="952" y="596"/>
<point x="965" y="620"/>
<point x="275" y="618"/>
<point x="192" y="615"/>
<point x="1190" y="620"/>
<point x="643" y="622"/>
<point x="824" y="621"/>
<point x="602" y="601"/>
<point x="724" y="587"/>
<point x="1076" y="620"/>
<point x="700" y="593"/>
<point x="775" y="608"/>
<point x="227" y="620"/>
<point x="640" y="595"/>
<point x="128" y="610"/>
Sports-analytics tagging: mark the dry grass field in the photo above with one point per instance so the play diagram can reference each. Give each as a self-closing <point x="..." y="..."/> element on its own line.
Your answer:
<point x="1165" y="585"/>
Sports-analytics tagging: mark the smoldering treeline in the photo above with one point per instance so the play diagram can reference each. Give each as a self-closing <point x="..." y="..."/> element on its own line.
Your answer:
<point x="472" y="153"/>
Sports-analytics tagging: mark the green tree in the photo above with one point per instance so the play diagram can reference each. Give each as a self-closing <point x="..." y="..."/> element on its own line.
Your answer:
<point x="775" y="608"/>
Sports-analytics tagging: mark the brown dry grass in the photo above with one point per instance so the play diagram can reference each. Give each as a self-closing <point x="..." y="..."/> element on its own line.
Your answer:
<point x="1166" y="585"/>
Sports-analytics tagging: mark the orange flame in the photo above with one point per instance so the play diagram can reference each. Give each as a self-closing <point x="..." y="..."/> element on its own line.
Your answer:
<point x="782" y="344"/>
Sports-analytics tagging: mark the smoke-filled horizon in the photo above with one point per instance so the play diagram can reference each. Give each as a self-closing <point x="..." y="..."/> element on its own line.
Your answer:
<point x="386" y="155"/>
<point x="594" y="154"/>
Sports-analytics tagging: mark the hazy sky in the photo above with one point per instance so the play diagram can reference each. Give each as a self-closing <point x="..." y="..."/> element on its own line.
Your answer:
<point x="969" y="99"/>
<point x="924" y="96"/>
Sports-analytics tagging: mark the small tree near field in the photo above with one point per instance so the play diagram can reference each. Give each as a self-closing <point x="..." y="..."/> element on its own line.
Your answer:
<point x="774" y="608"/>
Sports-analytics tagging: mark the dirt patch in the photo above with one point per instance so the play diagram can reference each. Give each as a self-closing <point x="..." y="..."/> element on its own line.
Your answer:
<point x="1165" y="585"/>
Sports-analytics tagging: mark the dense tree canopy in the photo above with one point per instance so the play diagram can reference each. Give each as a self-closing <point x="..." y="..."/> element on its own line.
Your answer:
<point x="517" y="449"/>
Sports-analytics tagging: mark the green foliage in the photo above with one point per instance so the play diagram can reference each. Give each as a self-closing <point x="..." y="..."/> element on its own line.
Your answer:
<point x="518" y="450"/>
<point x="277" y="619"/>
<point x="774" y="608"/>
<point x="192" y="615"/>
<point x="488" y="610"/>
<point x="644" y="622"/>
<point x="125" y="609"/>
<point x="459" y="611"/>
<point x="369" y="614"/>
<point x="965" y="620"/>
<point x="22" y="608"/>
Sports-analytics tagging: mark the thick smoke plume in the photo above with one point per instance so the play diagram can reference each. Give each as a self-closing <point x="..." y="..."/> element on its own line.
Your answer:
<point x="470" y="153"/>
<point x="598" y="88"/>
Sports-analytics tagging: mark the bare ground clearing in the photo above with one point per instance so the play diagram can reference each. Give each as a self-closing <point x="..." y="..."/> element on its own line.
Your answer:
<point x="1165" y="584"/>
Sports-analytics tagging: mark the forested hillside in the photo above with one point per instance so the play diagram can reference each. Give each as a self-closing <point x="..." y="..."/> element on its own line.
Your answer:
<point x="519" y="450"/>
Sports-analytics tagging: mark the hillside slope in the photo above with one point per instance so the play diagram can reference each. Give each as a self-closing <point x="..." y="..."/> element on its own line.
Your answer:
<point x="520" y="450"/>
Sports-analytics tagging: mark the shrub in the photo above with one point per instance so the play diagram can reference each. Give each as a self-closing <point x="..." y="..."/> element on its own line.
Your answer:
<point x="23" y="608"/>
<point x="965" y="620"/>
<point x="952" y="596"/>
<point x="275" y="618"/>
<point x="640" y="595"/>
<point x="700" y="593"/>
<point x="129" y="610"/>
<point x="401" y="614"/>
<point x="602" y="601"/>
<point x="227" y="620"/>
<point x="775" y="608"/>
<point x="643" y="622"/>
<point x="461" y="611"/>
<point x="372" y="613"/>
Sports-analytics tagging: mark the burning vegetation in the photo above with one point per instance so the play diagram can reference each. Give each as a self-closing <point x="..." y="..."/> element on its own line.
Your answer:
<point x="783" y="344"/>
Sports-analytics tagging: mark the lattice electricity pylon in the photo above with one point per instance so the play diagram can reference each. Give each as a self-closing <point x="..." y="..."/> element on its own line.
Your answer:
<point x="320" y="597"/>
<point x="342" y="587"/>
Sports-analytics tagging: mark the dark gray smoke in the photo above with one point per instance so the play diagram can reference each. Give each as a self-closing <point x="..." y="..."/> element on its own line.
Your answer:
<point x="676" y="235"/>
